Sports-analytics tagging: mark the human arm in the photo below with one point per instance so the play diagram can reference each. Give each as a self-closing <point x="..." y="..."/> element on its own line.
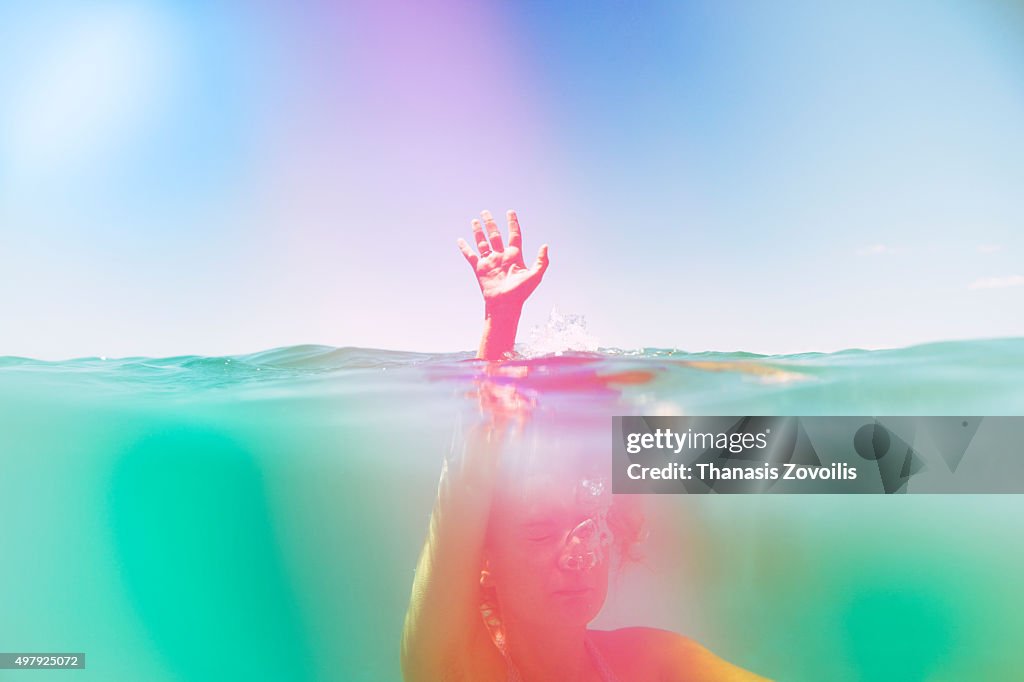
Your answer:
<point x="443" y="619"/>
<point x="443" y="613"/>
<point x="504" y="280"/>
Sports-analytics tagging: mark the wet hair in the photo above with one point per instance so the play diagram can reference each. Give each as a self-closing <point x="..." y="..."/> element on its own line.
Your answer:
<point x="629" y="529"/>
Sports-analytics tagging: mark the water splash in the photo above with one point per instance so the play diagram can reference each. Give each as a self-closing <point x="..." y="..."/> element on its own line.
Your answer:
<point x="563" y="332"/>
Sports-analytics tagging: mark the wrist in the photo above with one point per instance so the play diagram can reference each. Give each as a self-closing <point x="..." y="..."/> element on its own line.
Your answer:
<point x="502" y="311"/>
<point x="500" y="325"/>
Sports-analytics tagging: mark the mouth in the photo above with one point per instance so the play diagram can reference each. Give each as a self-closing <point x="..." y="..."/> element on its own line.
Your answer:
<point x="573" y="592"/>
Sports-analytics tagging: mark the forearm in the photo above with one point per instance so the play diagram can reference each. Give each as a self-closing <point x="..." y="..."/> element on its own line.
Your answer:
<point x="444" y="608"/>
<point x="499" y="336"/>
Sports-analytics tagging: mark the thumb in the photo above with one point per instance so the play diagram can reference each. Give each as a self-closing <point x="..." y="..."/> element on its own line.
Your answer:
<point x="541" y="264"/>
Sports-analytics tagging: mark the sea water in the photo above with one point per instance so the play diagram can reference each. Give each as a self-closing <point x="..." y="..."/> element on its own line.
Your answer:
<point x="259" y="517"/>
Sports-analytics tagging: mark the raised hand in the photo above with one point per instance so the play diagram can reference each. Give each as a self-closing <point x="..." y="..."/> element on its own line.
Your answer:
<point x="504" y="279"/>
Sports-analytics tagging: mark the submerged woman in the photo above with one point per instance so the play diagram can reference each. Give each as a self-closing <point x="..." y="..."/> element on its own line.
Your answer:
<point x="516" y="561"/>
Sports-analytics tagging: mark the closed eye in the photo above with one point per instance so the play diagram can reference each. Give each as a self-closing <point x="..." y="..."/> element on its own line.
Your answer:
<point x="539" y="532"/>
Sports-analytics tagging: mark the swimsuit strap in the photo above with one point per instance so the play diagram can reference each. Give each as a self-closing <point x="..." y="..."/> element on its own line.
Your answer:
<point x="602" y="666"/>
<point x="513" y="671"/>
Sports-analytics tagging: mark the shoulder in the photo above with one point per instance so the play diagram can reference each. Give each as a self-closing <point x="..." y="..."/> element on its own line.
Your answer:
<point x="666" y="656"/>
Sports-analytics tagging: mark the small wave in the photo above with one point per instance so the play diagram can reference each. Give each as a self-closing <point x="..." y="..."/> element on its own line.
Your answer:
<point x="316" y="357"/>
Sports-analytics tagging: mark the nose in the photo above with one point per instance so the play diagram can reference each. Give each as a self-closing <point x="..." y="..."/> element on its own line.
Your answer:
<point x="582" y="550"/>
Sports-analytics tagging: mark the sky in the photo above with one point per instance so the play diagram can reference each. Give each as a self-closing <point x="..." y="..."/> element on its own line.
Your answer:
<point x="207" y="178"/>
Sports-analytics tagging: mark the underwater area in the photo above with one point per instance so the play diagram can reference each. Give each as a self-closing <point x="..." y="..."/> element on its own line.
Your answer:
<point x="259" y="517"/>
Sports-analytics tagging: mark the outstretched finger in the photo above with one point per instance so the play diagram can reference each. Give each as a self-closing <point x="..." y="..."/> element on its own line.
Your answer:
<point x="468" y="252"/>
<point x="515" y="235"/>
<point x="481" y="241"/>
<point x="493" y="234"/>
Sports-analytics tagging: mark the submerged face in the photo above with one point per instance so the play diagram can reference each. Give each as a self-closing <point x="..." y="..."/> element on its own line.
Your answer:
<point x="548" y="549"/>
